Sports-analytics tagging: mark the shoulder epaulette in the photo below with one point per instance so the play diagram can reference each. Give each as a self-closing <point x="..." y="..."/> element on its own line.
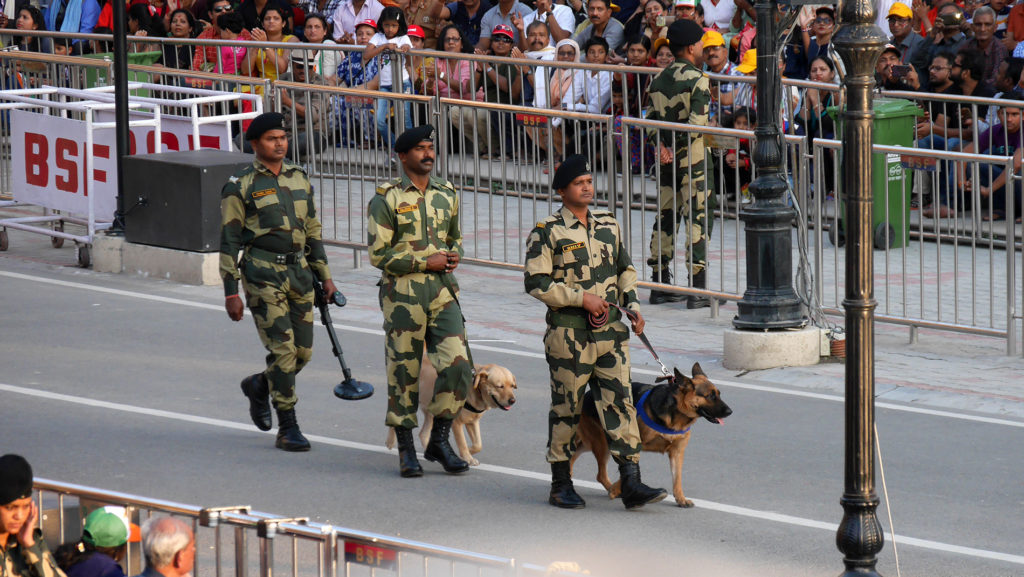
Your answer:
<point x="384" y="188"/>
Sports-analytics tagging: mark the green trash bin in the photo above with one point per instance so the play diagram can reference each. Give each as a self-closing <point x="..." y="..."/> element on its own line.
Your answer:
<point x="894" y="124"/>
<point x="96" y="77"/>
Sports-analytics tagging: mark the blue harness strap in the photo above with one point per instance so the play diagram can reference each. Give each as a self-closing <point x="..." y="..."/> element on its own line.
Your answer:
<point x="650" y="422"/>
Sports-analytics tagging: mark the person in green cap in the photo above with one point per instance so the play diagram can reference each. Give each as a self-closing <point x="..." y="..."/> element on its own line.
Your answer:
<point x="103" y="546"/>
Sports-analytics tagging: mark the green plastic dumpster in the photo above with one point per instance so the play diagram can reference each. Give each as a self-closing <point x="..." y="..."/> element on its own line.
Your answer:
<point x="890" y="181"/>
<point x="96" y="77"/>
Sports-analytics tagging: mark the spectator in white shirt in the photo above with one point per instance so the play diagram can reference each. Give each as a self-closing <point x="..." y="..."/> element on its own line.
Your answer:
<point x="350" y="13"/>
<point x="559" y="18"/>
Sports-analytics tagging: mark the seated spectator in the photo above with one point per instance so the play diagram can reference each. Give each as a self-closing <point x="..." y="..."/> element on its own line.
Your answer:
<point x="389" y="43"/>
<point x="31" y="18"/>
<point x="72" y="16"/>
<point x="984" y="41"/>
<point x="598" y="83"/>
<point x="739" y="168"/>
<point x="350" y="13"/>
<point x="502" y="84"/>
<point x="354" y="117"/>
<point x="537" y="42"/>
<point x="326" y="60"/>
<point x="507" y="12"/>
<point x="183" y="25"/>
<point x="561" y="91"/>
<point x="252" y="12"/>
<point x="142" y="23"/>
<point x="458" y="78"/>
<point x="270" y="63"/>
<point x="1003" y="139"/>
<point x="559" y="18"/>
<point x="662" y="53"/>
<point x="814" y="118"/>
<point x="909" y="42"/>
<point x="103" y="545"/>
<point x="169" y="548"/>
<point x="942" y="37"/>
<point x="22" y="548"/>
<point x="467" y="16"/>
<point x="232" y="58"/>
<point x="205" y="59"/>
<point x="746" y="93"/>
<point x="601" y="24"/>
<point x="716" y="61"/>
<point x="303" y="110"/>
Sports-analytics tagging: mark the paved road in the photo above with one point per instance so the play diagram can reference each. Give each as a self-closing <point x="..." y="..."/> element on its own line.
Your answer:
<point x="130" y="384"/>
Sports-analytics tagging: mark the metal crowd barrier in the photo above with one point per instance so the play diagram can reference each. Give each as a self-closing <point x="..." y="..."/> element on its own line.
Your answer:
<point x="237" y="541"/>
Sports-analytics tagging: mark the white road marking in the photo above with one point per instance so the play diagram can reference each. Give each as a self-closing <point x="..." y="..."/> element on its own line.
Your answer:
<point x="544" y="477"/>
<point x="531" y="354"/>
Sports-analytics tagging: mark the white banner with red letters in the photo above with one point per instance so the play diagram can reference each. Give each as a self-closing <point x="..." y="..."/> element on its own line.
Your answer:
<point x="48" y="157"/>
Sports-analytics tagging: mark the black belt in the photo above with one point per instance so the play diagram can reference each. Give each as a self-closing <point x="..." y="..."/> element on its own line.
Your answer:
<point x="576" y="317"/>
<point x="276" y="258"/>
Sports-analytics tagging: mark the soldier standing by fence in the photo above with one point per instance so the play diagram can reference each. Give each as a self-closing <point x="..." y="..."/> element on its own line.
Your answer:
<point x="681" y="93"/>
<point x="267" y="210"/>
<point x="577" y="265"/>
<point x="416" y="240"/>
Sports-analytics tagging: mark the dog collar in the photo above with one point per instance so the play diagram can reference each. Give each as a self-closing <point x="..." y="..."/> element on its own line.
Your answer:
<point x="471" y="408"/>
<point x="650" y="422"/>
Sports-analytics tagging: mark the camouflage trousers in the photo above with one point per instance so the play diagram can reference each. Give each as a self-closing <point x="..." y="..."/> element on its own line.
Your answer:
<point x="683" y="198"/>
<point x="575" y="358"/>
<point x="417" y="315"/>
<point x="281" y="300"/>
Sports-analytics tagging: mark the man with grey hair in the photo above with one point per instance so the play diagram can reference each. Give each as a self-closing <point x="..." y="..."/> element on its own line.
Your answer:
<point x="169" y="547"/>
<point x="985" y="41"/>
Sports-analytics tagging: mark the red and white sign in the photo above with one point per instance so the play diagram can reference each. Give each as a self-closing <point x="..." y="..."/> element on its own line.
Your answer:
<point x="48" y="158"/>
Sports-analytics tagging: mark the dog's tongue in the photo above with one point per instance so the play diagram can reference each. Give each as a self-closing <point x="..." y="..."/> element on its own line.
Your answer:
<point x="719" y="421"/>
<point x="504" y="408"/>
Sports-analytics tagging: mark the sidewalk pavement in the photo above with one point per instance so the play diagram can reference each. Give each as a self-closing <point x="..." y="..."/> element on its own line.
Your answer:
<point x="943" y="370"/>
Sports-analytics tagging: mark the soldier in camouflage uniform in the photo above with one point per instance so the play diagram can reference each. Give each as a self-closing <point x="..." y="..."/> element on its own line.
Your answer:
<point x="23" y="552"/>
<point x="577" y="265"/>
<point x="267" y="211"/>
<point x="681" y="93"/>
<point x="416" y="240"/>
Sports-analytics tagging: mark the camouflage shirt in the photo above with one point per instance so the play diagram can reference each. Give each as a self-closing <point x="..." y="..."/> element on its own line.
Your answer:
<point x="681" y="93"/>
<point x="408" y="225"/>
<point x="565" y="258"/>
<point x="34" y="561"/>
<point x="273" y="213"/>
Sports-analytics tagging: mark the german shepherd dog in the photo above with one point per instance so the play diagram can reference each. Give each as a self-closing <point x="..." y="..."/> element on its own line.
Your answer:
<point x="673" y="406"/>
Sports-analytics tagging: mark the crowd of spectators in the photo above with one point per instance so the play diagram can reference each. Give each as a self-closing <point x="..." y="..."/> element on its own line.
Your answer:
<point x="940" y="47"/>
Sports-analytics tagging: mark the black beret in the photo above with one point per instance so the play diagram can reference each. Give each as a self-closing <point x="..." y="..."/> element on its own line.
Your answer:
<point x="264" y="122"/>
<point x="15" y="478"/>
<point x="574" y="166"/>
<point x="413" y="136"/>
<point x="683" y="33"/>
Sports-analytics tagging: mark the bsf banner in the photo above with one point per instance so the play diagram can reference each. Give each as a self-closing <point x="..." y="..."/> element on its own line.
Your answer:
<point x="48" y="158"/>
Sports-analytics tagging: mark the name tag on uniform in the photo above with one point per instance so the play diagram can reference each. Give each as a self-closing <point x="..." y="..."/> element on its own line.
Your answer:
<point x="405" y="209"/>
<point x="262" y="193"/>
<point x="572" y="247"/>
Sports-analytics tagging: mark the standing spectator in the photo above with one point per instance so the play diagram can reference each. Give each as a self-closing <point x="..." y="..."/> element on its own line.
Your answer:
<point x="684" y="10"/>
<point x="467" y="15"/>
<point x="389" y="43"/>
<point x="718" y="14"/>
<point x="1001" y="9"/>
<point x="884" y="9"/>
<point x="681" y="94"/>
<point x="205" y="59"/>
<point x="180" y="56"/>
<point x="72" y="16"/>
<point x="577" y="265"/>
<point x="662" y="54"/>
<point x="252" y="12"/>
<point x="632" y="97"/>
<point x="325" y="8"/>
<point x="351" y="12"/>
<point x="417" y="252"/>
<point x="822" y="27"/>
<point x="326" y="61"/>
<point x="426" y="15"/>
<point x="1014" y="27"/>
<point x="984" y="41"/>
<point x="502" y="84"/>
<point x="269" y="212"/>
<point x="601" y="24"/>
<point x="355" y="117"/>
<point x="23" y="552"/>
<point x="739" y="168"/>
<point x="746" y="92"/>
<point x="716" y="61"/>
<point x="455" y="77"/>
<point x="103" y="546"/>
<point x="270" y="62"/>
<point x="169" y="548"/>
<point x="559" y="18"/>
<point x="507" y="12"/>
<point x="597" y="83"/>
<point x="814" y="117"/>
<point x="232" y="57"/>
<point x="909" y="42"/>
<point x="944" y="35"/>
<point x="31" y="18"/>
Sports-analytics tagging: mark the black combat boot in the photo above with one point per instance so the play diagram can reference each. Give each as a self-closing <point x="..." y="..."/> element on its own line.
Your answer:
<point x="659" y="296"/>
<point x="255" y="387"/>
<point x="634" y="493"/>
<point x="439" y="451"/>
<point x="408" y="465"/>
<point x="698" y="300"/>
<point x="563" y="495"/>
<point x="289" y="437"/>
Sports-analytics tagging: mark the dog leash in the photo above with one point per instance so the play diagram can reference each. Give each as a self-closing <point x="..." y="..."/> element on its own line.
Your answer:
<point x="598" y="321"/>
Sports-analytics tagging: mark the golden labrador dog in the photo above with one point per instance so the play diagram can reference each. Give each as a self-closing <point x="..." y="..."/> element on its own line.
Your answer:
<point x="669" y="410"/>
<point x="494" y="387"/>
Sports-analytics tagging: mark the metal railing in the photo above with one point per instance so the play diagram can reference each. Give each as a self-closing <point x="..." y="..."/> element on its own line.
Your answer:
<point x="235" y="540"/>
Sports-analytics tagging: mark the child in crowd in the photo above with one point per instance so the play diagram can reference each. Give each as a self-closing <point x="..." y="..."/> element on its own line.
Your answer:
<point x="598" y="90"/>
<point x="231" y="25"/>
<point x="354" y="116"/>
<point x="391" y="38"/>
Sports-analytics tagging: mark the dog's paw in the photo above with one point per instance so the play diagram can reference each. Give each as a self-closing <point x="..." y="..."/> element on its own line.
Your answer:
<point x="614" y="493"/>
<point x="684" y="502"/>
<point x="472" y="462"/>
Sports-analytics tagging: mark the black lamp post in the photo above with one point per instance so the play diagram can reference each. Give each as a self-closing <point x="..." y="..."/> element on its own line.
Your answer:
<point x="769" y="301"/>
<point x="121" y="137"/>
<point x="859" y="43"/>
